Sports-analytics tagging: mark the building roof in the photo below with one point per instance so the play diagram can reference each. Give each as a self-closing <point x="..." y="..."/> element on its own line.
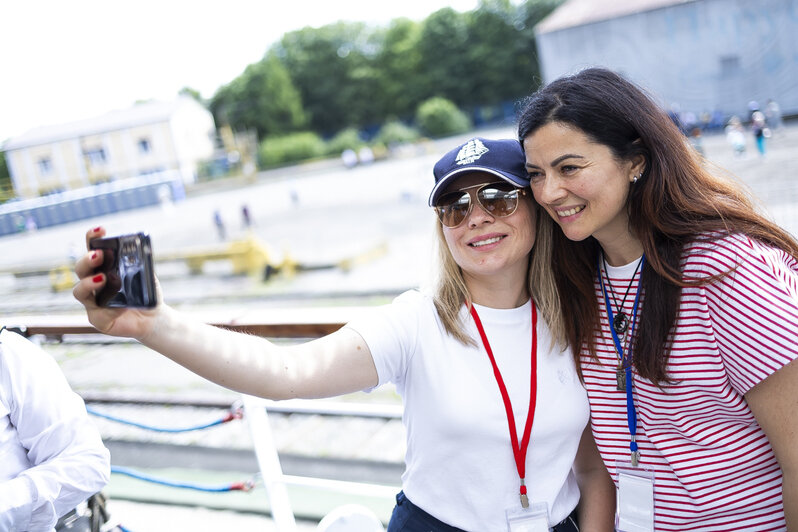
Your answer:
<point x="140" y="114"/>
<point x="574" y="13"/>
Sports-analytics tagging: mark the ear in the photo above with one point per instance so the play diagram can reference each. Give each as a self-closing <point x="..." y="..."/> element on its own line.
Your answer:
<point x="637" y="165"/>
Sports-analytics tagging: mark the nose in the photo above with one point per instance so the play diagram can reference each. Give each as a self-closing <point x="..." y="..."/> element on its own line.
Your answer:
<point x="479" y="215"/>
<point x="549" y="191"/>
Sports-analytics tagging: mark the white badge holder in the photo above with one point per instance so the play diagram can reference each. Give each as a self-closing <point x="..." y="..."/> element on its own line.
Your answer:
<point x="532" y="519"/>
<point x="635" y="498"/>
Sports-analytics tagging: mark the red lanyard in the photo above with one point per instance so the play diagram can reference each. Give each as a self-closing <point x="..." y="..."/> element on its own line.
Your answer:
<point x="519" y="451"/>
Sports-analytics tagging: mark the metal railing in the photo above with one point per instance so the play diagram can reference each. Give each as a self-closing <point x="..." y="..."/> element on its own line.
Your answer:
<point x="324" y="321"/>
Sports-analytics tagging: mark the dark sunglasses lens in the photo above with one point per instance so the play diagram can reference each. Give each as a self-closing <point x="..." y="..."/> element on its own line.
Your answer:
<point x="499" y="199"/>
<point x="453" y="208"/>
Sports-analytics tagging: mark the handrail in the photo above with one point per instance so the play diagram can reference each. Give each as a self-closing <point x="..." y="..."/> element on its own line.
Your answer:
<point x="271" y="323"/>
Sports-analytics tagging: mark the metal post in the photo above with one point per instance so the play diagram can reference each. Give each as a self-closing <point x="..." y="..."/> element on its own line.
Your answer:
<point x="269" y="463"/>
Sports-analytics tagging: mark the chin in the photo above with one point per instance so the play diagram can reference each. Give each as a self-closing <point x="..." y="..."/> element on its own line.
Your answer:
<point x="574" y="234"/>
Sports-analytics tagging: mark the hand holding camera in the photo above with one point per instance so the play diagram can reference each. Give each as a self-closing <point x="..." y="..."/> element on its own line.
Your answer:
<point x="117" y="284"/>
<point x="127" y="265"/>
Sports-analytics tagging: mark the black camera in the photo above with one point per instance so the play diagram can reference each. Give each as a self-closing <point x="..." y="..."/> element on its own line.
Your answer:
<point x="127" y="265"/>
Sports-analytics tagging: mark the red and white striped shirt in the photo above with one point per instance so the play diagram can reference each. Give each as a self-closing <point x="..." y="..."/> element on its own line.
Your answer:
<point x="714" y="467"/>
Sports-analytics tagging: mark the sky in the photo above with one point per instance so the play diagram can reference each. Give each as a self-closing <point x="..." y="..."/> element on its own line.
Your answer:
<point x="62" y="61"/>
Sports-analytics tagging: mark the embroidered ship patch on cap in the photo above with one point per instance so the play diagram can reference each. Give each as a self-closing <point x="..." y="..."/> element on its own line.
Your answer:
<point x="470" y="152"/>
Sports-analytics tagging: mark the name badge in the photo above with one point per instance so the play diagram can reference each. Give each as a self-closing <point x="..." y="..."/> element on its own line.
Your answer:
<point x="635" y="498"/>
<point x="532" y="519"/>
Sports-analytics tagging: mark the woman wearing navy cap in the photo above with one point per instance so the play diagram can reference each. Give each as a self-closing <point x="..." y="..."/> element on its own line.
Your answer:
<point x="494" y="410"/>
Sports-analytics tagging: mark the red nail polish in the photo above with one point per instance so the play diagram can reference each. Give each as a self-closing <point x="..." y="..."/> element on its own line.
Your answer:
<point x="97" y="278"/>
<point x="94" y="255"/>
<point x="96" y="229"/>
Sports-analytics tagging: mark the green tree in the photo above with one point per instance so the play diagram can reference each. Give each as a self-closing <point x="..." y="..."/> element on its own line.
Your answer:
<point x="399" y="76"/>
<point x="290" y="148"/>
<point x="5" y="179"/>
<point x="262" y="98"/>
<point x="501" y="66"/>
<point x="439" y="117"/>
<point x="444" y="37"/>
<point x="4" y="173"/>
<point x="193" y="93"/>
<point x="530" y="13"/>
<point x="332" y="67"/>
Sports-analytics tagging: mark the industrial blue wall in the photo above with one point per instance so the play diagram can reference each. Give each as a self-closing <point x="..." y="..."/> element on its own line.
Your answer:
<point x="702" y="55"/>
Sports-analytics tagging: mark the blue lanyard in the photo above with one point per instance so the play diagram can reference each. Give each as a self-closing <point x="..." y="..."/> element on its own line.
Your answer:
<point x="626" y="360"/>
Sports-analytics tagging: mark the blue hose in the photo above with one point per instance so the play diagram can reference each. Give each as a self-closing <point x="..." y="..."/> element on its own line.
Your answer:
<point x="236" y="486"/>
<point x="225" y="419"/>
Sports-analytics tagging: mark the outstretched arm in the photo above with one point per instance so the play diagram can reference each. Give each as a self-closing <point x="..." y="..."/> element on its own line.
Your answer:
<point x="596" y="508"/>
<point x="335" y="364"/>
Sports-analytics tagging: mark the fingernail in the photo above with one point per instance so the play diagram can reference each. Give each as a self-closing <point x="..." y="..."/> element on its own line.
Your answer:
<point x="96" y="229"/>
<point x="97" y="278"/>
<point x="94" y="255"/>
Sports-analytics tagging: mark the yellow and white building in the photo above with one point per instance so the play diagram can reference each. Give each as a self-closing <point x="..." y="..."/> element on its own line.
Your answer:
<point x="147" y="138"/>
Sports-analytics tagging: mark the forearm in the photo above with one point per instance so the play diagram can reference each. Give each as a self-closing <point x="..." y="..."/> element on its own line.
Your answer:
<point x="596" y="508"/>
<point x="244" y="363"/>
<point x="333" y="365"/>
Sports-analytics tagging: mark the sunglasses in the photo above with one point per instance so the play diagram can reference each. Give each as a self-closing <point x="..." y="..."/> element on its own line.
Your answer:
<point x="497" y="199"/>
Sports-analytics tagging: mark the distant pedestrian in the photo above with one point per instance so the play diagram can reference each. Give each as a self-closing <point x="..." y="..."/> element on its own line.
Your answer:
<point x="773" y="115"/>
<point x="219" y="223"/>
<point x="760" y="130"/>
<point x="30" y="223"/>
<point x="246" y="218"/>
<point x="696" y="141"/>
<point x="735" y="135"/>
<point x="753" y="107"/>
<point x="349" y="158"/>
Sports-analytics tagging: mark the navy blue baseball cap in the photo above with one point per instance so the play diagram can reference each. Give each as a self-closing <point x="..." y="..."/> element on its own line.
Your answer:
<point x="503" y="158"/>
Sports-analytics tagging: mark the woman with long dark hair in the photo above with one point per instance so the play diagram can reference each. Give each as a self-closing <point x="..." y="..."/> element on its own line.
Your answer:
<point x="680" y="303"/>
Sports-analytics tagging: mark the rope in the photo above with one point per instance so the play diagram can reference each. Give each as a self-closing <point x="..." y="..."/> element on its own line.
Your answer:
<point x="235" y="486"/>
<point x="236" y="412"/>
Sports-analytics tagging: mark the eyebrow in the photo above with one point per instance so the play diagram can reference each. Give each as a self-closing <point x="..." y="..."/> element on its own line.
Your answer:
<point x="561" y="158"/>
<point x="558" y="160"/>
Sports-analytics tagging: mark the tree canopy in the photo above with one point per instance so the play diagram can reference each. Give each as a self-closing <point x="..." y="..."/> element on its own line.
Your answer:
<point x="352" y="75"/>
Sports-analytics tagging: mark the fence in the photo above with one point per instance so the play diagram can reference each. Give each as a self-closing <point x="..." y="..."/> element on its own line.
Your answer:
<point x="88" y="202"/>
<point x="255" y="412"/>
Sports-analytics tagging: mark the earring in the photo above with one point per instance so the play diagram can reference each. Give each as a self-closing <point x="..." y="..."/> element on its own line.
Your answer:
<point x="636" y="177"/>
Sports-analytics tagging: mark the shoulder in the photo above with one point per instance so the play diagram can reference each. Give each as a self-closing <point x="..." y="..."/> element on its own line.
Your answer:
<point x="714" y="254"/>
<point x="410" y="306"/>
<point x="15" y="349"/>
<point x="738" y="263"/>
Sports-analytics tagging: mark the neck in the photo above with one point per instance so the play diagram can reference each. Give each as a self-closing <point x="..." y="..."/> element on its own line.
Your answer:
<point x="497" y="292"/>
<point x="621" y="251"/>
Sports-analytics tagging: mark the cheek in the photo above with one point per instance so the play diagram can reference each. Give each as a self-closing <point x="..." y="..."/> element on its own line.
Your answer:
<point x="450" y="237"/>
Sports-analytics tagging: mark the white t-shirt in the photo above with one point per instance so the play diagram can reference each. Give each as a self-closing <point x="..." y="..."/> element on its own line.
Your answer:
<point x="459" y="463"/>
<point x="51" y="455"/>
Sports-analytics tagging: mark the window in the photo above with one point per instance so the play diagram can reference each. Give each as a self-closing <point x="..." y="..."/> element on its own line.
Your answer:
<point x="729" y="66"/>
<point x="95" y="156"/>
<point x="45" y="166"/>
<point x="144" y="146"/>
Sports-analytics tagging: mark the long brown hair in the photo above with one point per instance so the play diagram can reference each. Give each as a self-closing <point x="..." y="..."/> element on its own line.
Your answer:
<point x="676" y="201"/>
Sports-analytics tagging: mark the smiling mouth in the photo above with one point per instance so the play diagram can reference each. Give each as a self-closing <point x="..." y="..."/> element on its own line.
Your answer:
<point x="485" y="242"/>
<point x="571" y="211"/>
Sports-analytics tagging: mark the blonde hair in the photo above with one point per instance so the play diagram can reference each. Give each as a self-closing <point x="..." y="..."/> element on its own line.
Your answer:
<point x="451" y="293"/>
